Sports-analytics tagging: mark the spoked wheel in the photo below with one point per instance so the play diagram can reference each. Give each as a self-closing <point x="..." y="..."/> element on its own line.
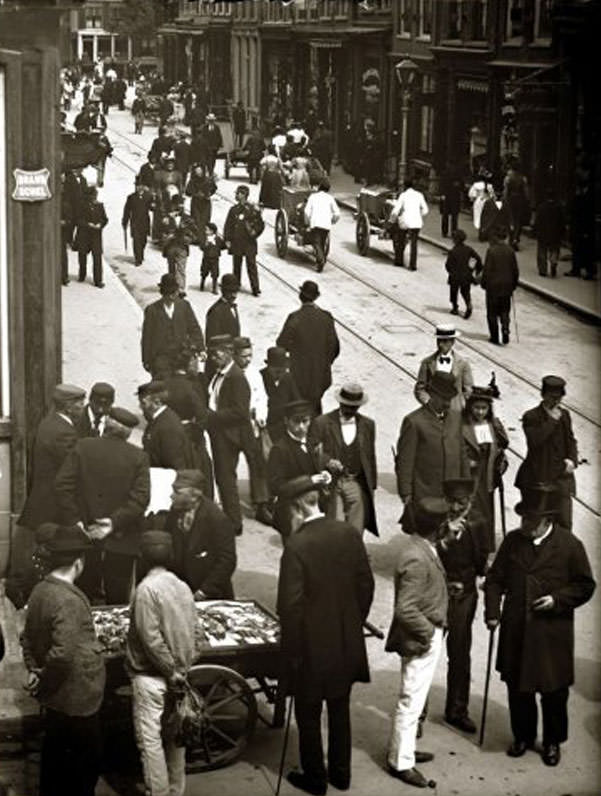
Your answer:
<point x="229" y="712"/>
<point x="362" y="233"/>
<point x="281" y="233"/>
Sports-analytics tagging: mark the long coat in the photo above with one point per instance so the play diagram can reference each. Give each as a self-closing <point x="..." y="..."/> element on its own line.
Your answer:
<point x="462" y="373"/>
<point x="89" y="239"/>
<point x="326" y="430"/>
<point x="136" y="212"/>
<point x="54" y="439"/>
<point x="167" y="444"/>
<point x="325" y="590"/>
<point x="106" y="477"/>
<point x="549" y="443"/>
<point x="500" y="273"/>
<point x="309" y="335"/>
<point x="536" y="648"/>
<point x="278" y="395"/>
<point x="164" y="336"/>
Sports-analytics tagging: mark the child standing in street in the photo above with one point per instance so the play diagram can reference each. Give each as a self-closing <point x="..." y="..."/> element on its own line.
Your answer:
<point x="211" y="252"/>
<point x="463" y="264"/>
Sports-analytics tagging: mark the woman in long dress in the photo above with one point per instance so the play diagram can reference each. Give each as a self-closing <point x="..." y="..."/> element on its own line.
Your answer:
<point x="479" y="192"/>
<point x="272" y="180"/>
<point x="484" y="440"/>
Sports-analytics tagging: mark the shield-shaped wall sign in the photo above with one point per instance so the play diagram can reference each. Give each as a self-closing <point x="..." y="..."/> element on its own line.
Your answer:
<point x="31" y="186"/>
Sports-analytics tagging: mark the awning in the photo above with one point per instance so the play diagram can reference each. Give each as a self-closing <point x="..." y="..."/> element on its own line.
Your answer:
<point x="326" y="44"/>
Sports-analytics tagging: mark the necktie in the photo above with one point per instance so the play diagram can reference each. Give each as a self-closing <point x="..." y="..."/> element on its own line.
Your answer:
<point x="214" y="381"/>
<point x="444" y="360"/>
<point x="97" y="426"/>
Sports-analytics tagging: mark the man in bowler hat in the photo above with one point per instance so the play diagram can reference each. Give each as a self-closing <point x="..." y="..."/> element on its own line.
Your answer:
<point x="280" y="387"/>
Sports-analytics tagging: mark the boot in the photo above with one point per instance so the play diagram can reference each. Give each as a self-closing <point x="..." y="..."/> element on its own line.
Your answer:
<point x="202" y="282"/>
<point x="454" y="310"/>
<point x="468" y="311"/>
<point x="214" y="286"/>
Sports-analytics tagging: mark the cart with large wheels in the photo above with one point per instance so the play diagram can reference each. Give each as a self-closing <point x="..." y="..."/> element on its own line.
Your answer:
<point x="373" y="213"/>
<point x="290" y="221"/>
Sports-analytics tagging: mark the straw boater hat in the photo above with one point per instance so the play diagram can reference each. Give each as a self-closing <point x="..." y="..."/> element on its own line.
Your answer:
<point x="446" y="331"/>
<point x="351" y="394"/>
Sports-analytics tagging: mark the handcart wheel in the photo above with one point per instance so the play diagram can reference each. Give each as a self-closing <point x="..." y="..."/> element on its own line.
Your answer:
<point x="362" y="233"/>
<point x="281" y="233"/>
<point x="229" y="713"/>
<point x="226" y="167"/>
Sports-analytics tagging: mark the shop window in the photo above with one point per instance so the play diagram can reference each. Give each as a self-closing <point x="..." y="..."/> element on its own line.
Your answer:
<point x="404" y="9"/>
<point x="427" y="114"/>
<point x="542" y="22"/>
<point x="342" y="8"/>
<point x="424" y="16"/>
<point x="520" y="20"/>
<point x="479" y="20"/>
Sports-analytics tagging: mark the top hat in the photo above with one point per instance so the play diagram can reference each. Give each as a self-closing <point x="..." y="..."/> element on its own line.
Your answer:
<point x="446" y="331"/>
<point x="309" y="290"/>
<point x="68" y="539"/>
<point x="553" y="384"/>
<point x="168" y="284"/>
<point x="458" y="488"/>
<point x="351" y="394"/>
<point x="442" y="384"/>
<point x="277" y="357"/>
<point x="538" y="500"/>
<point x="298" y="408"/>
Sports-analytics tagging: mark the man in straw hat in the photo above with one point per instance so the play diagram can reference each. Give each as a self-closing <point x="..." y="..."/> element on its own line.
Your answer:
<point x="445" y="360"/>
<point x="542" y="573"/>
<point x="429" y="448"/>
<point x="348" y="440"/>
<point x="66" y="669"/>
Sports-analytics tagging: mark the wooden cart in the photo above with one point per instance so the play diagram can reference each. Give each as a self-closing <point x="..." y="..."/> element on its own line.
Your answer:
<point x="290" y="220"/>
<point x="373" y="213"/>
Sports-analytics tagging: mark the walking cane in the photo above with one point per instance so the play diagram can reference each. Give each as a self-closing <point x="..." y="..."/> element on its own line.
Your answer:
<point x="125" y="237"/>
<point x="502" y="502"/>
<point x="515" y="320"/>
<point x="284" y="747"/>
<point x="491" y="643"/>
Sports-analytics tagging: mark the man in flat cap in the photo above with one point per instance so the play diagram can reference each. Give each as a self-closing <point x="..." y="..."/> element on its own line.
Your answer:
<point x="104" y="483"/>
<point x="66" y="669"/>
<point x="164" y="439"/>
<point x="222" y="316"/>
<point x="242" y="227"/>
<point x="168" y="324"/>
<point x="161" y="647"/>
<point x="93" y="417"/>
<point x="204" y="540"/>
<point x="429" y="448"/>
<point x="541" y="573"/>
<point x="445" y="360"/>
<point x="294" y="455"/>
<point x="416" y="632"/>
<point x="552" y="454"/>
<point x="322" y="607"/>
<point x="348" y="439"/>
<point x="309" y="335"/>
<point x="229" y="422"/>
<point x="280" y="387"/>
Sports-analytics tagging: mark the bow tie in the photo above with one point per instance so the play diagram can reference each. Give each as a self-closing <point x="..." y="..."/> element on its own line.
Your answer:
<point x="444" y="360"/>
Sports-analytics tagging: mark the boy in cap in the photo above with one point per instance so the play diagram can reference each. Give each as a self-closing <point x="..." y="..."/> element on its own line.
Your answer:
<point x="541" y="573"/>
<point x="179" y="231"/>
<point x="161" y="647"/>
<point x="552" y="453"/>
<point x="211" y="252"/>
<point x="445" y="360"/>
<point x="462" y="264"/>
<point x="92" y="421"/>
<point x="242" y="227"/>
<point x="66" y="669"/>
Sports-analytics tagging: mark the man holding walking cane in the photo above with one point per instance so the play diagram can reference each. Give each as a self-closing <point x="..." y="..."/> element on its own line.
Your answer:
<point x="499" y="279"/>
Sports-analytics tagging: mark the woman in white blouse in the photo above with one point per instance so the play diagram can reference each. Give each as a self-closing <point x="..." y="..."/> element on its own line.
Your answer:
<point x="479" y="192"/>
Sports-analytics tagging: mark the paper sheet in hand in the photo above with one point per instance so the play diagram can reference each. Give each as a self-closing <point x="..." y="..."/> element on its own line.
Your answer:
<point x="161" y="484"/>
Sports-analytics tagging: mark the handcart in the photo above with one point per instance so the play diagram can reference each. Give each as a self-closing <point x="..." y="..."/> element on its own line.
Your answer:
<point x="374" y="205"/>
<point x="290" y="220"/>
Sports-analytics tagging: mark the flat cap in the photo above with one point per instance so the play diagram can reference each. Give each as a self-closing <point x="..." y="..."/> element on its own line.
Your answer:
<point x="151" y="388"/>
<point x="155" y="539"/>
<point x="241" y="343"/>
<point x="68" y="539"/>
<point x="189" y="478"/>
<point x="68" y="392"/>
<point x="221" y="341"/>
<point x="553" y="384"/>
<point x="296" y="487"/>
<point x="124" y="417"/>
<point x="103" y="390"/>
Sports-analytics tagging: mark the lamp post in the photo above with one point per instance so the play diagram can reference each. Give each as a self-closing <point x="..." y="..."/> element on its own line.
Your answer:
<point x="405" y="70"/>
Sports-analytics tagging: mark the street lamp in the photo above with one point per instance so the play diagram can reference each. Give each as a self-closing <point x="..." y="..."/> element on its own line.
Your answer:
<point x="405" y="71"/>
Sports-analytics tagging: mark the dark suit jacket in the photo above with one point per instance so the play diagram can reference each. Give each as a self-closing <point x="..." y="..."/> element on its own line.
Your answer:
<point x="164" y="336"/>
<point x="457" y="264"/>
<point x="188" y="402"/>
<point x="89" y="239"/>
<point x="232" y="418"/>
<point x="500" y="273"/>
<point x="221" y="320"/>
<point x="212" y="137"/>
<point x="549" y="443"/>
<point x="167" y="444"/>
<point x="84" y="426"/>
<point x="106" y="477"/>
<point x="278" y="395"/>
<point x="325" y="590"/>
<point x="242" y="227"/>
<point x="54" y="439"/>
<point x="326" y="430"/>
<point x="205" y="556"/>
<point x="309" y="335"/>
<point x="137" y="213"/>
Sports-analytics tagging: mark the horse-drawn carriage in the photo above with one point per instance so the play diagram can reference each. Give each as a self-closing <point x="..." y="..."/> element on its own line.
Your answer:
<point x="373" y="213"/>
<point x="290" y="220"/>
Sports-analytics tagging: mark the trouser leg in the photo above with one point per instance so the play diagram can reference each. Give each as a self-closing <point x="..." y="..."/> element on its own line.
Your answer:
<point x="444" y="224"/>
<point x="139" y="242"/>
<point x="553" y="254"/>
<point x="339" y="740"/>
<point x="83" y="264"/>
<point x="564" y="503"/>
<point x="503" y="310"/>
<point x="64" y="256"/>
<point x="541" y="258"/>
<point x="399" y="238"/>
<point x="453" y="293"/>
<point x="350" y="501"/>
<point x="256" y="471"/>
<point x="225" y="460"/>
<point x="491" y="318"/>
<point x="318" y="243"/>
<point x="454" y="221"/>
<point x="413" y="234"/>
<point x="148" y="702"/>
<point x="237" y="266"/>
<point x="555" y="716"/>
<point x="523" y="715"/>
<point x="90" y="581"/>
<point x="71" y="755"/>
<point x="466" y="295"/>
<point x="459" y="643"/>
<point x="308" y="720"/>
<point x="97" y="265"/>
<point x="180" y="261"/>
<point x="251" y="270"/>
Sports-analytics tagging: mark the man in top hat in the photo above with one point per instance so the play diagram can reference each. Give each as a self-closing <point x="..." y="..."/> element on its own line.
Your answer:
<point x="500" y="275"/>
<point x="280" y="387"/>
<point x="228" y="423"/>
<point x="552" y="454"/>
<point x="242" y="227"/>
<point x="93" y="418"/>
<point x="136" y="214"/>
<point x="542" y="573"/>
<point x="322" y="607"/>
<point x="213" y="139"/>
<point x="464" y="556"/>
<point x="416" y="633"/>
<point x="429" y="449"/>
<point x="222" y="316"/>
<point x="445" y="360"/>
<point x="92" y="221"/>
<point x="165" y="439"/>
<point x="168" y="324"/>
<point x="204" y="541"/>
<point x="104" y="483"/>
<point x="309" y="335"/>
<point x="291" y="456"/>
<point x="349" y="445"/>
<point x="66" y="669"/>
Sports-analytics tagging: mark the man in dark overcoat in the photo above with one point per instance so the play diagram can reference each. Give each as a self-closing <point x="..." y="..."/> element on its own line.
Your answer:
<point x="309" y="335"/>
<point x="105" y="484"/>
<point x="429" y="449"/>
<point x="280" y="388"/>
<point x="322" y="607"/>
<point x="500" y="275"/>
<point x="242" y="227"/>
<point x="552" y="454"/>
<point x="165" y="439"/>
<point x="136" y="213"/>
<point x="542" y="573"/>
<point x="213" y="139"/>
<point x="91" y="222"/>
<point x="450" y="199"/>
<point x="222" y="316"/>
<point x="349" y="446"/>
<point x="168" y="324"/>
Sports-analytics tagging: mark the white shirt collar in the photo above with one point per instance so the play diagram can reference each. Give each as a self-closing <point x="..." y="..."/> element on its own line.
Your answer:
<point x="541" y="539"/>
<point x="159" y="411"/>
<point x="65" y="417"/>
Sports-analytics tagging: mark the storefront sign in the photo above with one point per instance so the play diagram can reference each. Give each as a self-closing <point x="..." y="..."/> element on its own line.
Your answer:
<point x="31" y="186"/>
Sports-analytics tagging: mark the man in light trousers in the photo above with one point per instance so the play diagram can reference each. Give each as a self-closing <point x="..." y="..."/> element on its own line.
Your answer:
<point x="416" y="635"/>
<point x="160" y="650"/>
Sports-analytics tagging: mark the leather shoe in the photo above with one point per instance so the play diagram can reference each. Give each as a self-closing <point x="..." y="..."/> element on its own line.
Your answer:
<point x="518" y="748"/>
<point x="409" y="775"/>
<point x="340" y="783"/>
<point x="463" y="723"/>
<point x="551" y="754"/>
<point x="299" y="780"/>
<point x="423" y="757"/>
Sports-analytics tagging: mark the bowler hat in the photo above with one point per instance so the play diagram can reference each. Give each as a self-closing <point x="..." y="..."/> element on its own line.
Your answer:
<point x="553" y="384"/>
<point x="68" y="392"/>
<point x="446" y="331"/>
<point x="150" y="539"/>
<point x="296" y="487"/>
<point x="309" y="290"/>
<point x="298" y="408"/>
<point x="277" y="357"/>
<point x="240" y="343"/>
<point x="103" y="390"/>
<point x="442" y="384"/>
<point x="124" y="417"/>
<point x="189" y="478"/>
<point x="229" y="282"/>
<point x="538" y="500"/>
<point x="351" y="394"/>
<point x="168" y="284"/>
<point x="221" y="341"/>
<point x="68" y="539"/>
<point x="430" y="513"/>
<point x="154" y="387"/>
<point x="458" y="487"/>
